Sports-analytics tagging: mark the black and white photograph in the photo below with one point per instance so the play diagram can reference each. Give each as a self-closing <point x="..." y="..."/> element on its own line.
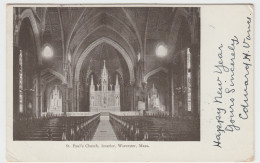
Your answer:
<point x="106" y="73"/>
<point x="130" y="82"/>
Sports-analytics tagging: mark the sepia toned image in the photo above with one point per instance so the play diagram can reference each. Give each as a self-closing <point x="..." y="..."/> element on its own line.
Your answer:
<point x="106" y="73"/>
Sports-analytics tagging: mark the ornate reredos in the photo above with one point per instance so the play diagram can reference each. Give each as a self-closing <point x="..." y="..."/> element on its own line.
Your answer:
<point x="104" y="82"/>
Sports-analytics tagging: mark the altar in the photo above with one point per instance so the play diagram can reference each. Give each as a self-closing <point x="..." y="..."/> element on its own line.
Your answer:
<point x="106" y="98"/>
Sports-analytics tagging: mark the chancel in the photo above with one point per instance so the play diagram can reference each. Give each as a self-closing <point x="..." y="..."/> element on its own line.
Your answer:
<point x="104" y="99"/>
<point x="106" y="73"/>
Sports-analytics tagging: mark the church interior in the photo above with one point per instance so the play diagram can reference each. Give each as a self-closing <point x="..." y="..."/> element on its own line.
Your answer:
<point x="106" y="73"/>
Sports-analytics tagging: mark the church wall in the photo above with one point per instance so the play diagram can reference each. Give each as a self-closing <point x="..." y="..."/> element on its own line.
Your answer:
<point x="16" y="52"/>
<point x="127" y="101"/>
<point x="82" y="99"/>
<point x="195" y="75"/>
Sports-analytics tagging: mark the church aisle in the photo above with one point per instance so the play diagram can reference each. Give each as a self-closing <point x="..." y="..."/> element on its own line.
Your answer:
<point x="104" y="130"/>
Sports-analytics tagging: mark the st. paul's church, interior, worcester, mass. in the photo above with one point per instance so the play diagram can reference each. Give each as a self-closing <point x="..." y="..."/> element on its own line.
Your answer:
<point x="106" y="73"/>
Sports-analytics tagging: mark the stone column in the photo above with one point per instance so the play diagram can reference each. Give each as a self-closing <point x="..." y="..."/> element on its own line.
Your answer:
<point x="63" y="87"/>
<point x="66" y="99"/>
<point x="70" y="99"/>
<point x="144" y="86"/>
<point x="131" y="95"/>
<point x="195" y="78"/>
<point x="175" y="99"/>
<point x="177" y="82"/>
<point x="77" y="96"/>
<point x="42" y="97"/>
<point x="134" y="98"/>
<point x="82" y="101"/>
<point x="34" y="97"/>
<point x="170" y="81"/>
<point x="146" y="102"/>
<point x="122" y="97"/>
<point x="38" y="95"/>
<point x="185" y="83"/>
<point x="86" y="97"/>
<point x="126" y="93"/>
<point x="16" y="53"/>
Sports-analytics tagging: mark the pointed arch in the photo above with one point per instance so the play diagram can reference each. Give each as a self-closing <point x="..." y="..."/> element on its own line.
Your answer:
<point x="131" y="49"/>
<point x="28" y="13"/>
<point x="154" y="72"/>
<point x="114" y="24"/>
<point x="179" y="14"/>
<point x="112" y="43"/>
<point x="135" y="29"/>
<point x="55" y="73"/>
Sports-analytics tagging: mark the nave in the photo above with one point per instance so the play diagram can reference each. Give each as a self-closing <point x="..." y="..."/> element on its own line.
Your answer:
<point x="106" y="73"/>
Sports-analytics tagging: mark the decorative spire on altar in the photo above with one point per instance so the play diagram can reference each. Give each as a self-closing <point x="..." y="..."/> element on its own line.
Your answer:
<point x="104" y="74"/>
<point x="92" y="82"/>
<point x="104" y="78"/>
<point x="117" y="88"/>
<point x="92" y="86"/>
<point x="116" y="79"/>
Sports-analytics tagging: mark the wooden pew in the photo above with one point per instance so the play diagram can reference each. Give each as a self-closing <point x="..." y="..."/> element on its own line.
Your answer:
<point x="56" y="128"/>
<point x="153" y="128"/>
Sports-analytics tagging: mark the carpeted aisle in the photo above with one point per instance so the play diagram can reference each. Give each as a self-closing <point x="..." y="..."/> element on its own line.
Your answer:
<point x="104" y="130"/>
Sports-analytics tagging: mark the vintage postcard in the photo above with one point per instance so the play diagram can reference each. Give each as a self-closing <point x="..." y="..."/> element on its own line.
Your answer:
<point x="130" y="83"/>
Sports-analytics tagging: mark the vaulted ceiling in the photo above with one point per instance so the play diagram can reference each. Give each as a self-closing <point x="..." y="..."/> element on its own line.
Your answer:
<point x="71" y="30"/>
<point x="114" y="62"/>
<point x="136" y="29"/>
